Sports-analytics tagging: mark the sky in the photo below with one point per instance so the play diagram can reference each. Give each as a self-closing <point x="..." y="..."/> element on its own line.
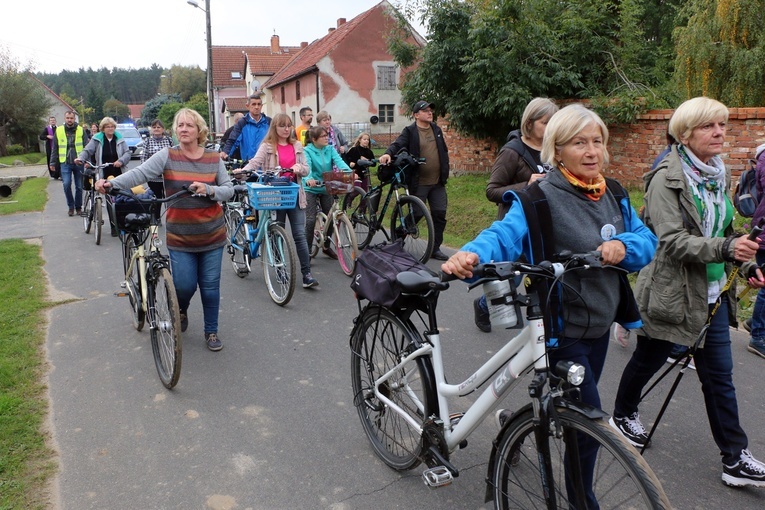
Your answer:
<point x="55" y="35"/>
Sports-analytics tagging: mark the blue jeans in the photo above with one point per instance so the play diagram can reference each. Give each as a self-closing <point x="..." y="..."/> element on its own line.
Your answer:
<point x="591" y="354"/>
<point x="192" y="269"/>
<point x="714" y="367"/>
<point x="297" y="225"/>
<point x="70" y="171"/>
<point x="758" y="314"/>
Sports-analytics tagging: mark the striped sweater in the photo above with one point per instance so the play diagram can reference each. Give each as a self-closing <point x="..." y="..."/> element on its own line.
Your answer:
<point x="194" y="224"/>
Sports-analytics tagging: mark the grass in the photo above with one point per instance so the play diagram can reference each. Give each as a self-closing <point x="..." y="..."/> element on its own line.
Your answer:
<point x="32" y="158"/>
<point x="30" y="196"/>
<point x="26" y="462"/>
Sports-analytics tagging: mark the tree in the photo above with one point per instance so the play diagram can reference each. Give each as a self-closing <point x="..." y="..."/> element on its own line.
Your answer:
<point x="152" y="108"/>
<point x="116" y="109"/>
<point x="184" y="81"/>
<point x="167" y="113"/>
<point x="199" y="103"/>
<point x="720" y="52"/>
<point x="23" y="104"/>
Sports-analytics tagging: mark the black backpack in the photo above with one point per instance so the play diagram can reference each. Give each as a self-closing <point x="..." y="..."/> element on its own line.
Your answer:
<point x="746" y="196"/>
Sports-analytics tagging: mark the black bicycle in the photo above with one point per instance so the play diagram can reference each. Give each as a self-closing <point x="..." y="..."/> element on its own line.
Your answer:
<point x="410" y="219"/>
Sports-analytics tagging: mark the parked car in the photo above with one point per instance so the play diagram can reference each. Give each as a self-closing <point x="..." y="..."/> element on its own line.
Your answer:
<point x="133" y="139"/>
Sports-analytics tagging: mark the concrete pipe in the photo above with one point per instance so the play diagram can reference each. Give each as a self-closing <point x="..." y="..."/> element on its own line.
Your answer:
<point x="5" y="191"/>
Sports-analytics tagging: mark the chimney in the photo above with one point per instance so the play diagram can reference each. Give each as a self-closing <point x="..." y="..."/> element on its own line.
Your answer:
<point x="331" y="29"/>
<point x="275" y="44"/>
<point x="340" y="22"/>
<point x="303" y="44"/>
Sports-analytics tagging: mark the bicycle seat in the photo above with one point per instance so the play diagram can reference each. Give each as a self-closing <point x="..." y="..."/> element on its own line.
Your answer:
<point x="420" y="282"/>
<point x="137" y="221"/>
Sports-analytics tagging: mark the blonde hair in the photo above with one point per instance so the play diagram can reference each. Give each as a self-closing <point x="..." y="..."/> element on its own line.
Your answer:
<point x="538" y="108"/>
<point x="323" y="115"/>
<point x="279" y="120"/>
<point x="693" y="113"/>
<point x="106" y="121"/>
<point x="357" y="143"/>
<point x="564" y="125"/>
<point x="197" y="119"/>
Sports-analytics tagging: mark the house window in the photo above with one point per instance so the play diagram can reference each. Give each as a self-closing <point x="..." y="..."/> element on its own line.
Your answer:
<point x="282" y="91"/>
<point x="236" y="75"/>
<point x="386" y="113"/>
<point x="386" y="77"/>
<point x="297" y="89"/>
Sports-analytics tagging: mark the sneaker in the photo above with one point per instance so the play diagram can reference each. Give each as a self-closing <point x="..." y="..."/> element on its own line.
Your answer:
<point x="213" y="342"/>
<point x="632" y="429"/>
<point x="756" y="348"/>
<point x="501" y="417"/>
<point x="184" y="322"/>
<point x="748" y="324"/>
<point x="481" y="316"/>
<point x="747" y="471"/>
<point x="309" y="281"/>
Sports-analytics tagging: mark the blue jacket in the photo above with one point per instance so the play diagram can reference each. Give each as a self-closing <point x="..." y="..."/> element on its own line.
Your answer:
<point x="247" y="136"/>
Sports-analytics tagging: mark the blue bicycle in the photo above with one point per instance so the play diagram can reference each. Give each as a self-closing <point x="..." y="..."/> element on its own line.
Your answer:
<point x="253" y="231"/>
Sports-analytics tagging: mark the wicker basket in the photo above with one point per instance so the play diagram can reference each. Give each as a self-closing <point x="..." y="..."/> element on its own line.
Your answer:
<point x="338" y="183"/>
<point x="265" y="197"/>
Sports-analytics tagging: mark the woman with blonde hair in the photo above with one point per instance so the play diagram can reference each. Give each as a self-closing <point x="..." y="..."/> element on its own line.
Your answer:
<point x="361" y="150"/>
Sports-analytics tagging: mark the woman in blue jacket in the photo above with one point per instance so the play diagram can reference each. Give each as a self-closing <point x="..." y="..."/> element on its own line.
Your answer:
<point x="321" y="157"/>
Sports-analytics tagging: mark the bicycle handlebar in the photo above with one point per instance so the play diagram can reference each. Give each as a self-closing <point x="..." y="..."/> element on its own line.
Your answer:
<point x="117" y="191"/>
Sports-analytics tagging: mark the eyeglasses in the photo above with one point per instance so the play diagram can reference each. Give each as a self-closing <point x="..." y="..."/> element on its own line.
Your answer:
<point x="324" y="136"/>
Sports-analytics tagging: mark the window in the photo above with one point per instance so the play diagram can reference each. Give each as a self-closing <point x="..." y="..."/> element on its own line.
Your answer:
<point x="236" y="75"/>
<point x="297" y="89"/>
<point x="386" y="77"/>
<point x="282" y="91"/>
<point x="386" y="113"/>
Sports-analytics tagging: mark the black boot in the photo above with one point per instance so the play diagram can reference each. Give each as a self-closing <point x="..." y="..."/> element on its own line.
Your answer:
<point x="481" y="316"/>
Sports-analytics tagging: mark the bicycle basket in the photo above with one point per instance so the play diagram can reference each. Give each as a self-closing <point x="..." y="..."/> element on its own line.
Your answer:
<point x="263" y="197"/>
<point x="338" y="183"/>
<point x="124" y="207"/>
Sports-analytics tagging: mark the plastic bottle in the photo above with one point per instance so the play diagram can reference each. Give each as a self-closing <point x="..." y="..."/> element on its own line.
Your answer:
<point x="501" y="314"/>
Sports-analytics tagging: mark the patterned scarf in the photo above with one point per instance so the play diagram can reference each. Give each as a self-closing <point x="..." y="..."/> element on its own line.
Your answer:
<point x="707" y="183"/>
<point x="592" y="191"/>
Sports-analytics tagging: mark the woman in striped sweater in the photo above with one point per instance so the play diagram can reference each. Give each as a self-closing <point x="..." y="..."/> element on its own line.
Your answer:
<point x="196" y="232"/>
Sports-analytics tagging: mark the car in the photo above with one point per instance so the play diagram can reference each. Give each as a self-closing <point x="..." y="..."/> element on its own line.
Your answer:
<point x="133" y="139"/>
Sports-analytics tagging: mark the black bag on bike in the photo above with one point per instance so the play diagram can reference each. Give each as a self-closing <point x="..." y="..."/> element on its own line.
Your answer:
<point x="374" y="278"/>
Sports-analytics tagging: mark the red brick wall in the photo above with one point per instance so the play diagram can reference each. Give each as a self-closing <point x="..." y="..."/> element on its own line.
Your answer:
<point x="632" y="147"/>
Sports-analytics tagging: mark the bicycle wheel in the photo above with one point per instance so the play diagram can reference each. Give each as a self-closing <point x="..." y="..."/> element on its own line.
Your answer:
<point x="411" y="221"/>
<point x="279" y="259"/>
<point x="357" y="208"/>
<point x="98" y="219"/>
<point x="239" y="243"/>
<point x="318" y="233"/>
<point x="133" y="282"/>
<point x="621" y="477"/>
<point x="380" y="342"/>
<point x="165" y="320"/>
<point x="345" y="244"/>
<point x="87" y="212"/>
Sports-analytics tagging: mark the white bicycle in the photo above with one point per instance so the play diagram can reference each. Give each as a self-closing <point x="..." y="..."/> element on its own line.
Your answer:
<point x="403" y="401"/>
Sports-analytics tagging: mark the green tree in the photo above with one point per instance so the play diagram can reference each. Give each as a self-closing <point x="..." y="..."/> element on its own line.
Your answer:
<point x="199" y="103"/>
<point x="115" y="109"/>
<point x="167" y="113"/>
<point x="153" y="106"/>
<point x="23" y="104"/>
<point x="720" y="51"/>
<point x="184" y="81"/>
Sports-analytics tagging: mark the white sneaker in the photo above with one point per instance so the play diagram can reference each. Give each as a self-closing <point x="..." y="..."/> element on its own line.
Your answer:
<point x="748" y="471"/>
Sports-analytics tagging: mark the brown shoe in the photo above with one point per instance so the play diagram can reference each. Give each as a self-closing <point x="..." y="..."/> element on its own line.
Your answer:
<point x="78" y="212"/>
<point x="71" y="212"/>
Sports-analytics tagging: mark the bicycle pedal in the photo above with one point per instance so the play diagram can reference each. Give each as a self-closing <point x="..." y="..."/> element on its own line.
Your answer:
<point x="120" y="294"/>
<point x="437" y="477"/>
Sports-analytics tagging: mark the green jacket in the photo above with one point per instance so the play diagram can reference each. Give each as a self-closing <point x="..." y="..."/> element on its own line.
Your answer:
<point x="671" y="291"/>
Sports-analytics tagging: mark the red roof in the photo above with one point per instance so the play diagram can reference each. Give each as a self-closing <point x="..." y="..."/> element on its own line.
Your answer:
<point x="235" y="104"/>
<point x="306" y="60"/>
<point x="228" y="59"/>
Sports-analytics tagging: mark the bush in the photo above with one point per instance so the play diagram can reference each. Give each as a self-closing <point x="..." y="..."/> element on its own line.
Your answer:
<point x="15" y="150"/>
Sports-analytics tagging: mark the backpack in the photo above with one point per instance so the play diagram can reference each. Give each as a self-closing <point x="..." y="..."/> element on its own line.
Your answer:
<point x="746" y="196"/>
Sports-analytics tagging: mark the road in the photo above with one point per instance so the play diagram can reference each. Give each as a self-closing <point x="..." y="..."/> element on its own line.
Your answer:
<point x="268" y="422"/>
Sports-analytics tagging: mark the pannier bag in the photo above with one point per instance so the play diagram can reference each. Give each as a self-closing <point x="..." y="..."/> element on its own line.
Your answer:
<point x="374" y="278"/>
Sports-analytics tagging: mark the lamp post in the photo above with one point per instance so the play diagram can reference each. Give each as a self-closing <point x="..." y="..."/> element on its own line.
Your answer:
<point x="210" y="95"/>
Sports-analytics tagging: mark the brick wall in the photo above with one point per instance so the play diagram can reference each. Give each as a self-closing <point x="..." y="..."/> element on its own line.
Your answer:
<point x="632" y="147"/>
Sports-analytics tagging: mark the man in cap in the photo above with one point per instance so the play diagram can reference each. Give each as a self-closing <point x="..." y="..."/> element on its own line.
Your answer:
<point x="424" y="138"/>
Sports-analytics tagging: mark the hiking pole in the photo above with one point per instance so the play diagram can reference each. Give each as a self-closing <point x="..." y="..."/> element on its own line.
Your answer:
<point x="688" y="356"/>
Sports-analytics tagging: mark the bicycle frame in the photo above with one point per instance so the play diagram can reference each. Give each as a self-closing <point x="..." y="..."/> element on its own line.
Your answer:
<point x="141" y="257"/>
<point x="524" y="352"/>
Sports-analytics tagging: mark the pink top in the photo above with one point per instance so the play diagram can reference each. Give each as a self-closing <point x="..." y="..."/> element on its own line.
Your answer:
<point x="286" y="155"/>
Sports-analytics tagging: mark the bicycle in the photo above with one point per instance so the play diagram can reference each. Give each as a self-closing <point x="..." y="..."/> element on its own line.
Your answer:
<point x="346" y="248"/>
<point x="251" y="226"/>
<point x="402" y="399"/>
<point x="410" y="218"/>
<point x="92" y="203"/>
<point x="148" y="281"/>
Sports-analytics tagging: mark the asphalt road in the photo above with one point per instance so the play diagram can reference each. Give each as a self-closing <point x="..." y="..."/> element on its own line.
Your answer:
<point x="268" y="422"/>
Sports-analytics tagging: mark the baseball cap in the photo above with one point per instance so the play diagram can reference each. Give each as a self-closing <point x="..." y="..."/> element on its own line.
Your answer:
<point x="419" y="105"/>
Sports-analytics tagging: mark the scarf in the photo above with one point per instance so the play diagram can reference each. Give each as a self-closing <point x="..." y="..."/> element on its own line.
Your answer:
<point x="707" y="183"/>
<point x="592" y="191"/>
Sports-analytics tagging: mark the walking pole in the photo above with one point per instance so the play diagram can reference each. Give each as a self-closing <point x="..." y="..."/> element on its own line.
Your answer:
<point x="688" y="356"/>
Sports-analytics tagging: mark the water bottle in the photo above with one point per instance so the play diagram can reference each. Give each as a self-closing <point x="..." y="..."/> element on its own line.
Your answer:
<point x="499" y="296"/>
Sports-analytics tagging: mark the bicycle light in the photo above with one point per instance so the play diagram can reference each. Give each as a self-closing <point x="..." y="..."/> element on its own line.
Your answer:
<point x="572" y="372"/>
<point x="156" y="241"/>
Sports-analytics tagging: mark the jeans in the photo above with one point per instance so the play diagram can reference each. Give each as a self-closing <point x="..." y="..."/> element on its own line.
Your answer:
<point x="71" y="171"/>
<point x="297" y="225"/>
<point x="312" y="200"/>
<point x="591" y="354"/>
<point x="192" y="269"/>
<point x="714" y="367"/>
<point x="758" y="314"/>
<point x="434" y="195"/>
